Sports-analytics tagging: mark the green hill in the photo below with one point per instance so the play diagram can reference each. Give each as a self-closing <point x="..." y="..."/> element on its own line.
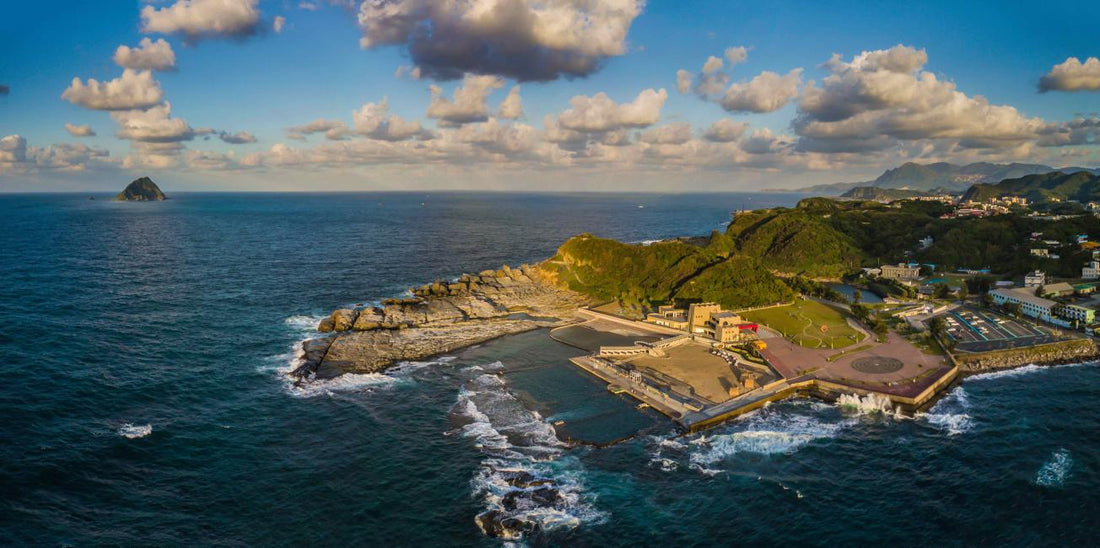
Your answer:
<point x="1081" y="186"/>
<point x="141" y="190"/>
<point x="797" y="241"/>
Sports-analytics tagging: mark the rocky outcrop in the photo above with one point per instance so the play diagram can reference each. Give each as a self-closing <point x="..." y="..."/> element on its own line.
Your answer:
<point x="141" y="190"/>
<point x="1071" y="351"/>
<point x="440" y="317"/>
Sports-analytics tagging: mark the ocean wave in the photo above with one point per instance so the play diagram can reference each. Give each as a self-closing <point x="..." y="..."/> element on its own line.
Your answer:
<point x="135" y="431"/>
<point x="1055" y="470"/>
<point x="871" y="404"/>
<point x="527" y="482"/>
<point x="304" y="322"/>
<point x="1020" y="371"/>
<point x="951" y="414"/>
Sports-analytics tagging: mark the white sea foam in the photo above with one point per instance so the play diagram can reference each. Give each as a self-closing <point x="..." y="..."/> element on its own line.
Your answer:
<point x="527" y="476"/>
<point x="304" y="322"/>
<point x="1055" y="470"/>
<point x="870" y="404"/>
<point x="135" y="431"/>
<point x="1025" y="370"/>
<point x="951" y="414"/>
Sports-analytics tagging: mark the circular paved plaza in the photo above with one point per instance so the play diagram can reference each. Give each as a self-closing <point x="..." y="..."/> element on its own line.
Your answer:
<point x="877" y="365"/>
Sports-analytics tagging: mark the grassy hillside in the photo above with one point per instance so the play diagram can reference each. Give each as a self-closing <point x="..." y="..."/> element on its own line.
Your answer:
<point x="664" y="272"/>
<point x="1081" y="186"/>
<point x="797" y="241"/>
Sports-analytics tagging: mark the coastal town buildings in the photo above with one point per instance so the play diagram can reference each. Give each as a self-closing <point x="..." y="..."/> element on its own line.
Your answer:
<point x="1035" y="279"/>
<point x="1091" y="271"/>
<point x="1030" y="305"/>
<point x="900" y="271"/>
<point x="706" y="319"/>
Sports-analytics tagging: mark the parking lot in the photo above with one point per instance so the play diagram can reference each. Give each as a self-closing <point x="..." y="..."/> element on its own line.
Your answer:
<point x="981" y="331"/>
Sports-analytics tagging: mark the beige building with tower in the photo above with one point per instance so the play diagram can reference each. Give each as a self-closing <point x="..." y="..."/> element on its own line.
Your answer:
<point x="706" y="319"/>
<point x="900" y="271"/>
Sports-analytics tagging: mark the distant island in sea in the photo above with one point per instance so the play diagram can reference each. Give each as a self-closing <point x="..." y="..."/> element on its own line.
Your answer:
<point x="141" y="190"/>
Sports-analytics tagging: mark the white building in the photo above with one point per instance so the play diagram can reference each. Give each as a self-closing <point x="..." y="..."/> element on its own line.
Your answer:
<point x="1091" y="271"/>
<point x="1030" y="305"/>
<point x="1035" y="279"/>
<point x="1040" y="252"/>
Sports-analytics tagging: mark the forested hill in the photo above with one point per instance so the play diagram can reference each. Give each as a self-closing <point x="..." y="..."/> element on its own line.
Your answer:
<point x="1081" y="186"/>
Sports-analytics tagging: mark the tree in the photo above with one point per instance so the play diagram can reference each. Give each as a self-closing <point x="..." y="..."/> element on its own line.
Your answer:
<point x="963" y="292"/>
<point x="856" y="296"/>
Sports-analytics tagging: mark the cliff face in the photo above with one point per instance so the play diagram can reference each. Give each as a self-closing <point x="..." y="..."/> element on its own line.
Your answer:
<point x="141" y="190"/>
<point x="440" y="317"/>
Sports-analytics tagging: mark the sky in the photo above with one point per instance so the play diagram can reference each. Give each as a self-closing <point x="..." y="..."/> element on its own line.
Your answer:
<point x="539" y="95"/>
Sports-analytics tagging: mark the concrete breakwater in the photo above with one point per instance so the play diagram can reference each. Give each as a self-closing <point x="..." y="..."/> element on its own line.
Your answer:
<point x="440" y="317"/>
<point x="1062" y="352"/>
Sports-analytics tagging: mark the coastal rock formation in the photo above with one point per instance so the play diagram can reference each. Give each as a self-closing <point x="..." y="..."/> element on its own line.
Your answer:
<point x="141" y="190"/>
<point x="440" y="317"/>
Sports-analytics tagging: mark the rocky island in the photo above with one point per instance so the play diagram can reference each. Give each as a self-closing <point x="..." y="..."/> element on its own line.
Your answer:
<point x="141" y="190"/>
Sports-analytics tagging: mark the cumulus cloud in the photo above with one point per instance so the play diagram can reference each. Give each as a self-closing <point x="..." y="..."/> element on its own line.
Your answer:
<point x="469" y="103"/>
<point x="683" y="80"/>
<point x="767" y="92"/>
<point x="334" y="130"/>
<point x="537" y="40"/>
<point x="149" y="55"/>
<point x="882" y="98"/>
<point x="154" y="125"/>
<point x="599" y="113"/>
<point x="199" y="19"/>
<point x="737" y="55"/>
<point x="239" y="138"/>
<point x="373" y="120"/>
<point x="725" y="130"/>
<point x="1079" y="131"/>
<point x="672" y="134"/>
<point x="13" y="150"/>
<point x="278" y="24"/>
<point x="712" y="64"/>
<point x="511" y="108"/>
<point x="132" y="90"/>
<point x="17" y="157"/>
<point x="79" y="131"/>
<point x="1073" y="75"/>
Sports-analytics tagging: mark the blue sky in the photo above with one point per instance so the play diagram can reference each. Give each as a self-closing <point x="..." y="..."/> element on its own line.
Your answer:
<point x="256" y="80"/>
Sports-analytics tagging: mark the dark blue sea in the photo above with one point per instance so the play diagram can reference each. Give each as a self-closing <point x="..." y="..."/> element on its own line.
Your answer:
<point x="144" y="348"/>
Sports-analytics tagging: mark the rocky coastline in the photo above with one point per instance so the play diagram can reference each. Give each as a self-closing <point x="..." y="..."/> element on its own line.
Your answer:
<point x="440" y="317"/>
<point x="1059" y="353"/>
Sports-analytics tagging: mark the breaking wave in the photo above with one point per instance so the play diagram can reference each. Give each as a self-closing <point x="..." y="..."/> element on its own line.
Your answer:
<point x="781" y="429"/>
<point x="1025" y="370"/>
<point x="951" y="414"/>
<point x="527" y="482"/>
<point x="867" y="405"/>
<point x="304" y="322"/>
<point x="135" y="431"/>
<point x="1055" y="470"/>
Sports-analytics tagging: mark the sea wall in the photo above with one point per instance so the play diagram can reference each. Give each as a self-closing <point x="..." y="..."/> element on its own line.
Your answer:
<point x="1071" y="351"/>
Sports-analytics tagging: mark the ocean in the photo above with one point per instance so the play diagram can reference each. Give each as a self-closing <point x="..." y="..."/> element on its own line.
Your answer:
<point x="144" y="400"/>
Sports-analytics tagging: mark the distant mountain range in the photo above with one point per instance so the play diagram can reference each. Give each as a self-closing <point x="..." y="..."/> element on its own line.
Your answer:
<point x="882" y="194"/>
<point x="1083" y="186"/>
<point x="943" y="177"/>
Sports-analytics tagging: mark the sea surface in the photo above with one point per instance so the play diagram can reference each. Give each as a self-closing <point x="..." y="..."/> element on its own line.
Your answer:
<point x="144" y="399"/>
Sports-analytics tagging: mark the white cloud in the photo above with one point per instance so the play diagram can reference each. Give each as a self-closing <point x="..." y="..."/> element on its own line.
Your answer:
<point x="79" y="131"/>
<point x="17" y="157"/>
<point x="724" y="130"/>
<point x="334" y="130"/>
<point x="713" y="64"/>
<point x="238" y="138"/>
<point x="511" y="108"/>
<point x="469" y="104"/>
<point x="882" y="98"/>
<point x="154" y="125"/>
<point x="683" y="81"/>
<point x="1073" y="75"/>
<point x="737" y="55"/>
<point x="373" y="120"/>
<point x="149" y="55"/>
<point x="308" y="6"/>
<point x="132" y="90"/>
<point x="767" y="92"/>
<point x="197" y="19"/>
<point x="523" y="39"/>
<point x="278" y="24"/>
<point x="672" y="134"/>
<point x="600" y="113"/>
<point x="13" y="150"/>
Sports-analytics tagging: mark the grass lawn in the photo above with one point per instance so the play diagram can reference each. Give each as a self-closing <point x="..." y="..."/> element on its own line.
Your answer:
<point x="802" y="321"/>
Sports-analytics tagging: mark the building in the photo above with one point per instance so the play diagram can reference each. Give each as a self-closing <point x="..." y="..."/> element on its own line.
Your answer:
<point x="1040" y="252"/>
<point x="706" y="319"/>
<point x="1035" y="279"/>
<point x="669" y="316"/>
<point x="1076" y="313"/>
<point x="1091" y="271"/>
<point x="1030" y="305"/>
<point x="1061" y="289"/>
<point x="900" y="271"/>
